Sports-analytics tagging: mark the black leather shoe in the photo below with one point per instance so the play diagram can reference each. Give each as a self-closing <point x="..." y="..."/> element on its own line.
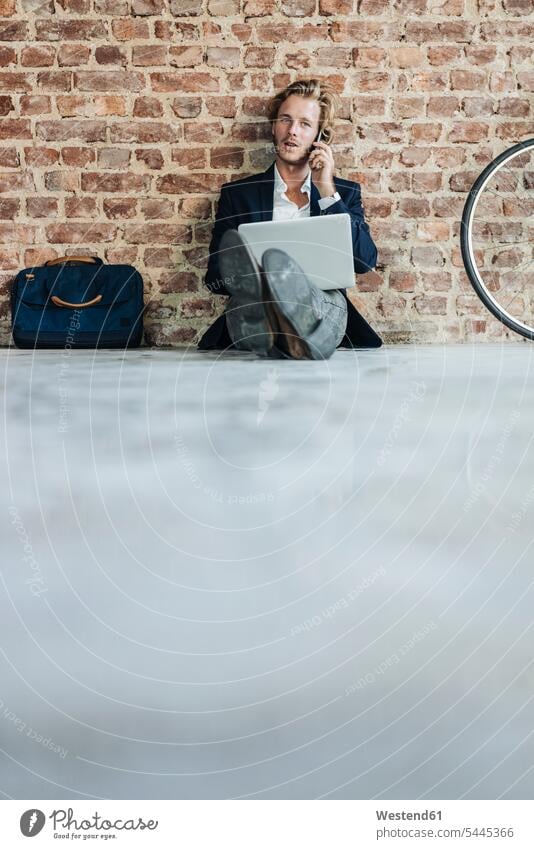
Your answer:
<point x="293" y="297"/>
<point x="246" y="316"/>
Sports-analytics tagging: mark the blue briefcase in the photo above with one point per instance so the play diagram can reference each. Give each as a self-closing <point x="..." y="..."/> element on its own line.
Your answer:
<point x="77" y="302"/>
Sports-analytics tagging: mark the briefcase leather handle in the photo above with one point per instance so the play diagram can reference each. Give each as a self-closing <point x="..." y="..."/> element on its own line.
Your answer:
<point x="93" y="260"/>
<point x="59" y="302"/>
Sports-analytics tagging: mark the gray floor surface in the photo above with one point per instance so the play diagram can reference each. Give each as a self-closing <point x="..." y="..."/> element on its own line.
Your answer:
<point x="231" y="577"/>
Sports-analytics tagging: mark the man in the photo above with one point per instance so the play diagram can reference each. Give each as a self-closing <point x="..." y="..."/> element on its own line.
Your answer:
<point x="273" y="309"/>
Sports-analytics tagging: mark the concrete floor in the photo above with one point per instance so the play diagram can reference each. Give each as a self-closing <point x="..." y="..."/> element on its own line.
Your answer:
<point x="230" y="577"/>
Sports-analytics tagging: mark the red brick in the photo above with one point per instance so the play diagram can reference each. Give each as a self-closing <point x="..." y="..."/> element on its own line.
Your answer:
<point x="429" y="81"/>
<point x="69" y="30"/>
<point x="108" y="81"/>
<point x="427" y="257"/>
<point x="17" y="234"/>
<point x="15" y="128"/>
<point x="431" y="305"/>
<point x="468" y="80"/>
<point x="80" y="207"/>
<point x="176" y="31"/>
<point x="437" y="281"/>
<point x="78" y="157"/>
<point x="160" y="208"/>
<point x="149" y="55"/>
<point x="55" y="81"/>
<point x="37" y="104"/>
<point x="408" y="107"/>
<point x="442" y="107"/>
<point x="196" y="208"/>
<point x="444" y="55"/>
<point x="7" y="8"/>
<point x="37" y="56"/>
<point x="448" y="157"/>
<point x="515" y="130"/>
<point x="260" y="57"/>
<point x="336" y="7"/>
<point x="382" y="132"/>
<point x="157" y="234"/>
<point x="147" y="107"/>
<point x="203" y="132"/>
<point x="128" y="29"/>
<point x="143" y="132"/>
<point x="403" y="281"/>
<point x="40" y="157"/>
<point x="414" y="208"/>
<point x="159" y="257"/>
<point x="14" y="82"/>
<point x="424" y="182"/>
<point x="9" y="208"/>
<point x="468" y="131"/>
<point x="223" y="8"/>
<point x="9" y="157"/>
<point x="181" y="8"/>
<point x="406" y="57"/>
<point x="14" y="182"/>
<point x="120" y="208"/>
<point x="73" y="54"/>
<point x="62" y="181"/>
<point x="222" y="107"/>
<point x="8" y="56"/>
<point x="481" y="54"/>
<point x="88" y="131"/>
<point x="152" y="158"/>
<point x="147" y="7"/>
<point x="369" y="57"/>
<point x="298" y="8"/>
<point x="75" y="234"/>
<point x="513" y="107"/>
<point x="189" y="183"/>
<point x="413" y="155"/>
<point x="370" y="81"/>
<point x="259" y="8"/>
<point x="15" y="31"/>
<point x="186" y="107"/>
<point x="226" y="157"/>
<point x="109" y="54"/>
<point x="194" y="82"/>
<point x="526" y="80"/>
<point x="425" y="132"/>
<point x="102" y="182"/>
<point x="38" y="256"/>
<point x="37" y="207"/>
<point x="190" y="56"/>
<point x="178" y="281"/>
<point x="192" y="158"/>
<point x="243" y="32"/>
<point x="109" y="105"/>
<point x="113" y="157"/>
<point x="478" y="107"/>
<point x="433" y="231"/>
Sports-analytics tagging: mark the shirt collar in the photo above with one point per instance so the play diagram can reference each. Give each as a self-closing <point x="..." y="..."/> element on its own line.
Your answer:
<point x="280" y="186"/>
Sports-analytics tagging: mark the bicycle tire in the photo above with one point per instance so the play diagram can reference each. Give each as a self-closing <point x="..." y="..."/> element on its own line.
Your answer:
<point x="467" y="245"/>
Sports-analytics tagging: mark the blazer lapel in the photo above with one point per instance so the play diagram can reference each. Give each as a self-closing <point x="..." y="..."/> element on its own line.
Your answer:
<point x="314" y="200"/>
<point x="265" y="194"/>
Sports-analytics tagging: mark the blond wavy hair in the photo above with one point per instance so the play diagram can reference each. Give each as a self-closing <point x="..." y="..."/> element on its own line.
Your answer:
<point x="321" y="92"/>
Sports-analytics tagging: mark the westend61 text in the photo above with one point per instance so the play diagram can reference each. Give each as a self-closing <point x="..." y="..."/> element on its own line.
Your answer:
<point x="408" y="815"/>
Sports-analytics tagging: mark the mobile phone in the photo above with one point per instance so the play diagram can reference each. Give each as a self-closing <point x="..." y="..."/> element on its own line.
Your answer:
<point x="318" y="138"/>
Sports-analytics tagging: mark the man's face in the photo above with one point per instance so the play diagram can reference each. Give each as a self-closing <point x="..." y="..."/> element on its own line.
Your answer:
<point x="296" y="128"/>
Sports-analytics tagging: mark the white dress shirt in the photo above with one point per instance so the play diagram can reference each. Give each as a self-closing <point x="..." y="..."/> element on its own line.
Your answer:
<point x="284" y="209"/>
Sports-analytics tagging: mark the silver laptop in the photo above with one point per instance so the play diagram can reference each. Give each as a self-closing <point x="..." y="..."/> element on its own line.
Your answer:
<point x="321" y="245"/>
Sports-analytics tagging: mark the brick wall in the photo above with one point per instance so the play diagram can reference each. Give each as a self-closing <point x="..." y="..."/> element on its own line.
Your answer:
<point x="120" y="119"/>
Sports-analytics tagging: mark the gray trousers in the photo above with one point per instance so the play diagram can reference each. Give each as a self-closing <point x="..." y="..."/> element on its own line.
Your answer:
<point x="330" y="309"/>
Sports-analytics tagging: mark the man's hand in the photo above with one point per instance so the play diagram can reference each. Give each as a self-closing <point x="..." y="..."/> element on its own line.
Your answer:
<point x="322" y="166"/>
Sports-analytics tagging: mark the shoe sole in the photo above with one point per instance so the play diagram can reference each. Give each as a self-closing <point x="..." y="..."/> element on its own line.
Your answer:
<point x="242" y="278"/>
<point x="291" y="290"/>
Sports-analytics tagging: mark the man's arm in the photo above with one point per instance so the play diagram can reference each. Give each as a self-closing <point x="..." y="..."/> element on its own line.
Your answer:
<point x="224" y="221"/>
<point x="363" y="248"/>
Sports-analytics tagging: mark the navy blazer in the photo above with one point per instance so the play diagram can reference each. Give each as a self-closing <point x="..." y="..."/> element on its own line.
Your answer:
<point x="251" y="199"/>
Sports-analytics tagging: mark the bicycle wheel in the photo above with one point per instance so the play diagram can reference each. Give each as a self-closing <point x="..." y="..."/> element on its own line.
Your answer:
<point x="497" y="237"/>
